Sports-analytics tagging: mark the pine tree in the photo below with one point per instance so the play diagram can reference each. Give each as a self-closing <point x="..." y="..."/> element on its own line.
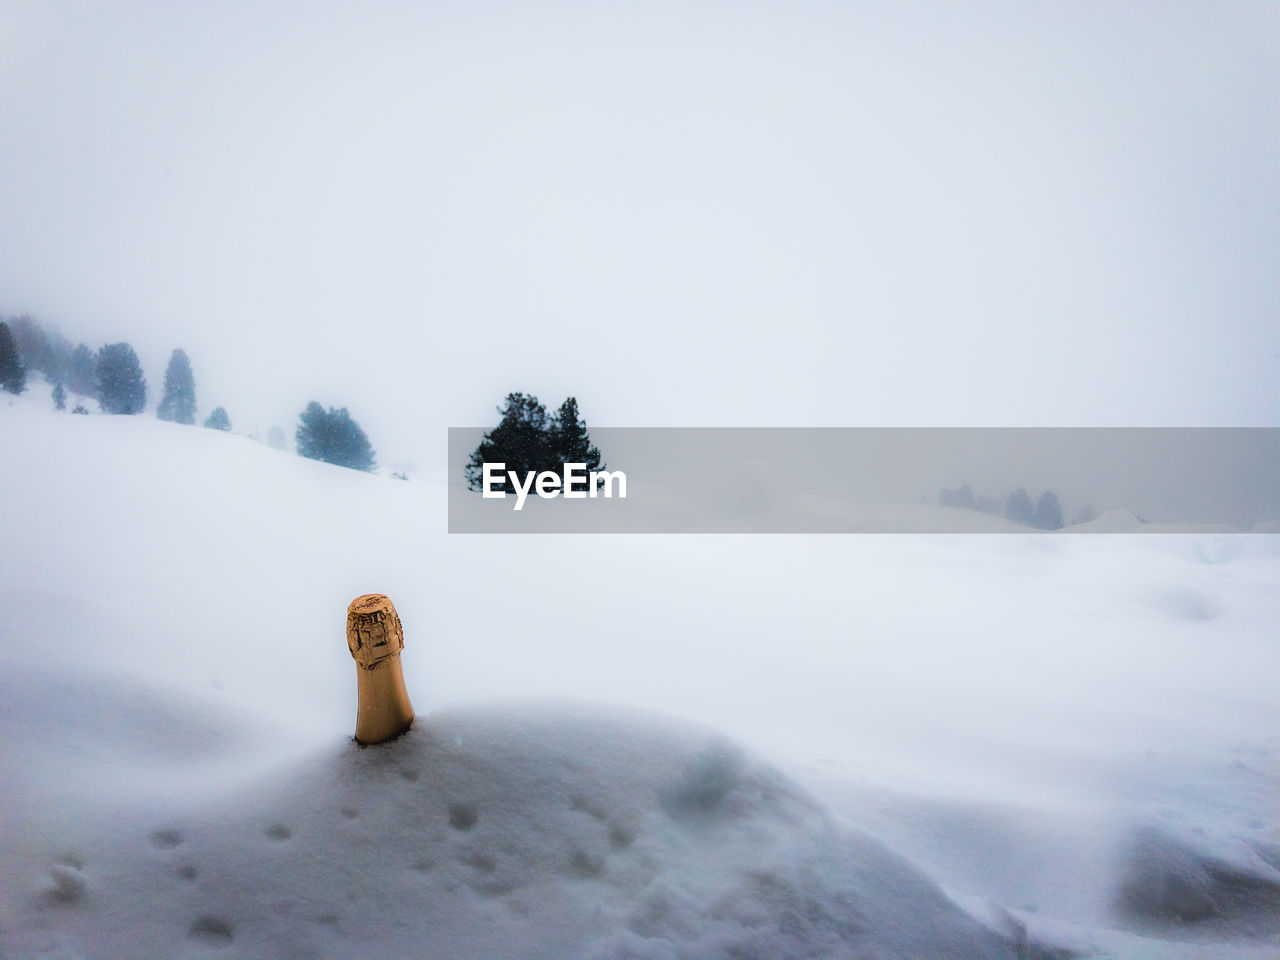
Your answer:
<point x="59" y="397"/>
<point x="334" y="438"/>
<point x="275" y="437"/>
<point x="527" y="440"/>
<point x="570" y="442"/>
<point x="1048" y="511"/>
<point x="218" y="420"/>
<point x="83" y="377"/>
<point x="1018" y="507"/>
<point x="30" y="342"/>
<point x="121" y="386"/>
<point x="520" y="441"/>
<point x="57" y="368"/>
<point x="13" y="376"/>
<point x="178" y="402"/>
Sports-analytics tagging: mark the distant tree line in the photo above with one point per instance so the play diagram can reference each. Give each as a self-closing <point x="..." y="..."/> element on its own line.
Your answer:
<point x="113" y="377"/>
<point x="110" y="375"/>
<point x="53" y="355"/>
<point x="1045" y="513"/>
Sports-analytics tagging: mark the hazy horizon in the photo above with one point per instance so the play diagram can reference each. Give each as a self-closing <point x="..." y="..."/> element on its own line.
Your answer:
<point x="725" y="215"/>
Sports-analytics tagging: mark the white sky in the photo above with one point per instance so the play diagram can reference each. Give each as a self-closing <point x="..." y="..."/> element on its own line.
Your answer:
<point x="810" y="214"/>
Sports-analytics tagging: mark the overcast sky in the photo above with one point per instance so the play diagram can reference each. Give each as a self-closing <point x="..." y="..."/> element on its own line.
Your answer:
<point x="697" y="214"/>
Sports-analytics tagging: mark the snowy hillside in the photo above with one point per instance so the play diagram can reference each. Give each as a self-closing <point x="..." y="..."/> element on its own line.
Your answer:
<point x="875" y="746"/>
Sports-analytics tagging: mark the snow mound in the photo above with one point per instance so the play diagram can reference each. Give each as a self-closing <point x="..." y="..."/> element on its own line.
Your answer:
<point x="1185" y="603"/>
<point x="1109" y="521"/>
<point x="1122" y="521"/>
<point x="520" y="830"/>
<point x="1169" y="880"/>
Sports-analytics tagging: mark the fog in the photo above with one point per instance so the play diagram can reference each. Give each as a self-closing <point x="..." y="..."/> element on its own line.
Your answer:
<point x="802" y="214"/>
<point x="732" y="215"/>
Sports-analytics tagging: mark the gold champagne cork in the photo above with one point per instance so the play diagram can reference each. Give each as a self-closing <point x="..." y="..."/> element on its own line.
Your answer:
<point x="375" y="639"/>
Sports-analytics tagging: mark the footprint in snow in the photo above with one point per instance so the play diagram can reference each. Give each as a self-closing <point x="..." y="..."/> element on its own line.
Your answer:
<point x="166" y="839"/>
<point x="211" y="931"/>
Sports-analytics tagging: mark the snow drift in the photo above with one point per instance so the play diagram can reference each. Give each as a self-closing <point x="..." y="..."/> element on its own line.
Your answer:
<point x="521" y="830"/>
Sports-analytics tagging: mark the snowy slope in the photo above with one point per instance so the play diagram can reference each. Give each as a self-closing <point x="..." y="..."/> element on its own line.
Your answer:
<point x="1075" y="736"/>
<point x="524" y="831"/>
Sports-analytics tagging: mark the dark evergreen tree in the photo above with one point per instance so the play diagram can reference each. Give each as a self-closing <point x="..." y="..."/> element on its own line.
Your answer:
<point x="121" y="386"/>
<point x="527" y="440"/>
<point x="334" y="438"/>
<point x="13" y="375"/>
<point x="1018" y="507"/>
<point x="521" y="440"/>
<point x="59" y="397"/>
<point x="178" y="403"/>
<point x="80" y="409"/>
<point x="570" y="442"/>
<point x="218" y="420"/>
<point x="83" y="376"/>
<point x="1048" y="511"/>
<point x="29" y="339"/>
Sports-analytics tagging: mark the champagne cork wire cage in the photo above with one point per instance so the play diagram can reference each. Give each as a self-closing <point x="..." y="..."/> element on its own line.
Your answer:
<point x="375" y="638"/>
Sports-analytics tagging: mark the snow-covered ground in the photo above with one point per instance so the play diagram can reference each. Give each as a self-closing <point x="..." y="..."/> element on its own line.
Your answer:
<point x="863" y="746"/>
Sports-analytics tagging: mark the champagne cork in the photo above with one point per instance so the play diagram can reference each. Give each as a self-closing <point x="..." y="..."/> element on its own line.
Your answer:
<point x="375" y="639"/>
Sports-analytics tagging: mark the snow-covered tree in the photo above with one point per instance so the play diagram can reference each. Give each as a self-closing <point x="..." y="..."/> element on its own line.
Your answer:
<point x="218" y="420"/>
<point x="178" y="402"/>
<point x="334" y="438"/>
<point x="83" y="376"/>
<point x="1048" y="511"/>
<point x="121" y="386"/>
<point x="1018" y="507"/>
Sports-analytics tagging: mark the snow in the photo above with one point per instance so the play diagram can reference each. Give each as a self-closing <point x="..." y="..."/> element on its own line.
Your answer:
<point x="872" y="746"/>
<point x="1122" y="521"/>
<point x="524" y="830"/>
